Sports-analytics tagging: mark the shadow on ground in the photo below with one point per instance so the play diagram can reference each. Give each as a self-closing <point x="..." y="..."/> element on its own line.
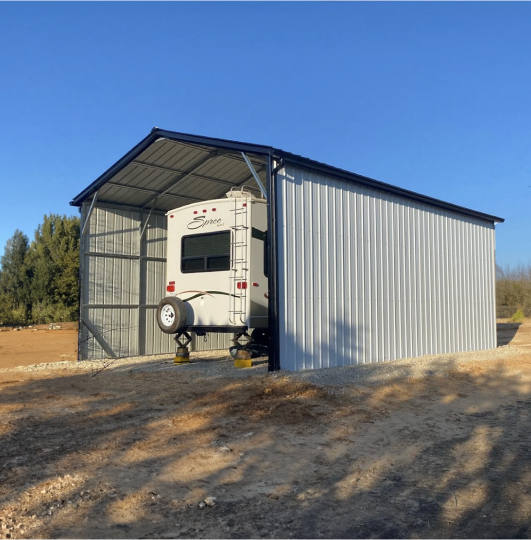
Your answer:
<point x="506" y="332"/>
<point x="133" y="453"/>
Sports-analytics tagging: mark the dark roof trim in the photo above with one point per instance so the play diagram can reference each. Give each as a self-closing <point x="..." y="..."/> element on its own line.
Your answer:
<point x="156" y="134"/>
<point x="237" y="146"/>
<point x="225" y="144"/>
<point x="353" y="177"/>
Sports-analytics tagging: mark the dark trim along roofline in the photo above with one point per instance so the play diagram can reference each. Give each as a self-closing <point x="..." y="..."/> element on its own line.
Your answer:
<point x="236" y="146"/>
<point x="346" y="175"/>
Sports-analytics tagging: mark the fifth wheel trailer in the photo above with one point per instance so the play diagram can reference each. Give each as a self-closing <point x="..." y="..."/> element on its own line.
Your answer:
<point x="358" y="270"/>
<point x="215" y="272"/>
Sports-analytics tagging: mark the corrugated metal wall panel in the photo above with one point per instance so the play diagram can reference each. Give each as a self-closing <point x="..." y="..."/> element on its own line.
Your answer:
<point x="155" y="281"/>
<point x="112" y="281"/>
<point x="366" y="276"/>
<point x="119" y="328"/>
<point x="113" y="231"/>
<point x="156" y="342"/>
<point x="122" y="281"/>
<point x="155" y="237"/>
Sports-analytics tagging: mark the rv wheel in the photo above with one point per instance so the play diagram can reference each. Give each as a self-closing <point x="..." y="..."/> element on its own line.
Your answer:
<point x="171" y="315"/>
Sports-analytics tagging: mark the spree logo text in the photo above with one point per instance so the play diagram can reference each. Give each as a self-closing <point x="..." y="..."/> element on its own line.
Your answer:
<point x="200" y="221"/>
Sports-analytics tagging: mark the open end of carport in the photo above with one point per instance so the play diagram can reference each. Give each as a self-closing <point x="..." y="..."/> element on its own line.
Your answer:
<point x="158" y="175"/>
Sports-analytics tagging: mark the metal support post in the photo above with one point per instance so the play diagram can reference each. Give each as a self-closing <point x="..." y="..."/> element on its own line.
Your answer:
<point x="143" y="230"/>
<point x="255" y="175"/>
<point x="94" y="199"/>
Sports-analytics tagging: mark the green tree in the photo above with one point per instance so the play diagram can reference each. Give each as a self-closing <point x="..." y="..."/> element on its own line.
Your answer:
<point x="53" y="264"/>
<point x="14" y="281"/>
<point x="39" y="282"/>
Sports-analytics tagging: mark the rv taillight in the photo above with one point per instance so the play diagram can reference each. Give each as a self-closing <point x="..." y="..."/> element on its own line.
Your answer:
<point x="171" y="215"/>
<point x="204" y="211"/>
<point x="171" y="286"/>
<point x="213" y="209"/>
<point x="242" y="285"/>
<point x="195" y="211"/>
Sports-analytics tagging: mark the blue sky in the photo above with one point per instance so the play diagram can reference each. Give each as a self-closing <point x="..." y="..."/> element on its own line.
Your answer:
<point x="432" y="97"/>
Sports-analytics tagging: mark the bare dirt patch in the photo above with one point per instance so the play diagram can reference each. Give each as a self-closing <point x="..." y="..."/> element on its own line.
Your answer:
<point x="136" y="451"/>
<point x="36" y="345"/>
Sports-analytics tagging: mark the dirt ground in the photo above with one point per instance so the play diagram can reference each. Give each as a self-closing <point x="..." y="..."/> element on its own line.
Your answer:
<point x="40" y="343"/>
<point x="135" y="451"/>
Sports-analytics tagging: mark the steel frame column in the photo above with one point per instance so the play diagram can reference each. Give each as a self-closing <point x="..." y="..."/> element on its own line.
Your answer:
<point x="272" y="247"/>
<point x="82" y="319"/>
<point x="255" y="175"/>
<point x="142" y="312"/>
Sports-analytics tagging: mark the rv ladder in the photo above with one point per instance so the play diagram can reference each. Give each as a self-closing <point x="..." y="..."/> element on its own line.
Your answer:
<point x="239" y="259"/>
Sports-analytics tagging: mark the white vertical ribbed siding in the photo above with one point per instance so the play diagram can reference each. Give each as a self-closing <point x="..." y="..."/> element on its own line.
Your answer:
<point x="366" y="276"/>
<point x="110" y="281"/>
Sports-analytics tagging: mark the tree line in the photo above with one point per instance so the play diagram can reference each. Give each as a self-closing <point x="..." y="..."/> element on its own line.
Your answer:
<point x="39" y="280"/>
<point x="513" y="292"/>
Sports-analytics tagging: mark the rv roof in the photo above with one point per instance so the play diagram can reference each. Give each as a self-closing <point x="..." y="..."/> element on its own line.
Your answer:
<point x="211" y="201"/>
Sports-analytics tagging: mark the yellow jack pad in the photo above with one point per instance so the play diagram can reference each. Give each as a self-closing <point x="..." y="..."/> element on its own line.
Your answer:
<point x="181" y="360"/>
<point x="243" y="363"/>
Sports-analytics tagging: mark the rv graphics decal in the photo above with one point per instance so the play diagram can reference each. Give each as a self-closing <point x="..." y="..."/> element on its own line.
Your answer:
<point x="204" y="293"/>
<point x="200" y="221"/>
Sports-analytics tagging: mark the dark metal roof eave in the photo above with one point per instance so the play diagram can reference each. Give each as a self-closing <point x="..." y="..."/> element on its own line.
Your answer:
<point x="153" y="136"/>
<point x="365" y="180"/>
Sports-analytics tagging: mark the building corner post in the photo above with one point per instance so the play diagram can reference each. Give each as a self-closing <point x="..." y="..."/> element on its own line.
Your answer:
<point x="274" y="331"/>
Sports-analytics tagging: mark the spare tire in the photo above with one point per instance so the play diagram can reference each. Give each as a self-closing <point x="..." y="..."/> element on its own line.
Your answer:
<point x="171" y="315"/>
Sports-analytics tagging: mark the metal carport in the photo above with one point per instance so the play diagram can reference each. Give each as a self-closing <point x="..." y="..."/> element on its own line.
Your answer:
<point x="359" y="270"/>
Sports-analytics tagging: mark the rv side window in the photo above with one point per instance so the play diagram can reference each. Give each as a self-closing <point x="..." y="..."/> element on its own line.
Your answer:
<point x="205" y="252"/>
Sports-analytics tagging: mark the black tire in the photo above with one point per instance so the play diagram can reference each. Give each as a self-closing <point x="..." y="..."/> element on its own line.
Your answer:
<point x="260" y="336"/>
<point x="171" y="315"/>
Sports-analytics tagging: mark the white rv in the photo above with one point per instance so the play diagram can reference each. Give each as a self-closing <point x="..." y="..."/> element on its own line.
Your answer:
<point x="216" y="269"/>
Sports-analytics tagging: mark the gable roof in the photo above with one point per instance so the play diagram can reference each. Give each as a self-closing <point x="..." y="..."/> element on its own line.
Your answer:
<point x="168" y="169"/>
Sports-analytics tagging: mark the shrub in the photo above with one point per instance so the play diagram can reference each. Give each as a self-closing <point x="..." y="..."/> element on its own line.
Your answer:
<point x="518" y="316"/>
<point x="62" y="313"/>
<point x="6" y="310"/>
<point x="513" y="291"/>
<point x="41" y="313"/>
<point x="10" y="313"/>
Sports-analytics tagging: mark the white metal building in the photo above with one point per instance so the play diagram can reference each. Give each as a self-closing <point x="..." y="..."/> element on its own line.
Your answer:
<point x="359" y="270"/>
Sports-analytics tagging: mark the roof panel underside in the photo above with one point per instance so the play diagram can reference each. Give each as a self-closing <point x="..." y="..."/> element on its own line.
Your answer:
<point x="169" y="174"/>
